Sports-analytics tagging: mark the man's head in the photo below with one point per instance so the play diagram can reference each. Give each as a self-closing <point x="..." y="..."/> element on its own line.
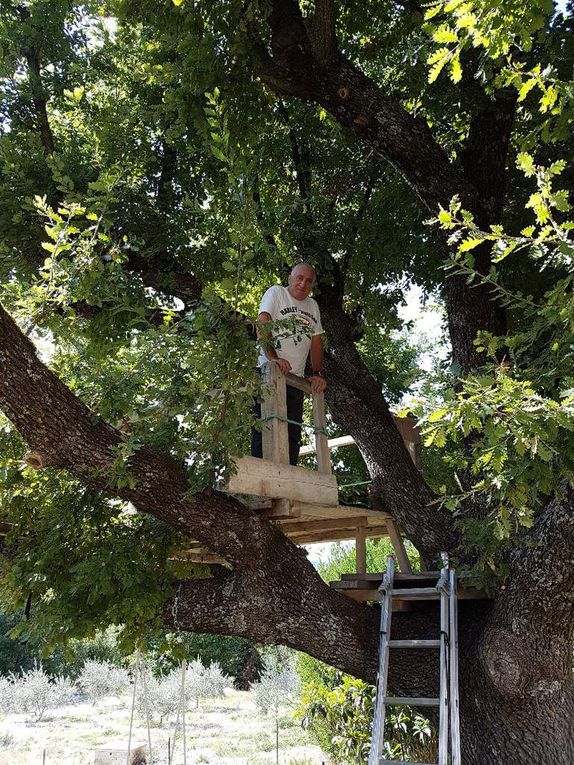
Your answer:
<point x="301" y="281"/>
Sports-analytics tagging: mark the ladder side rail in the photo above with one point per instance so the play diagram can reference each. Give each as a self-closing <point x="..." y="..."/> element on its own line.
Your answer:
<point x="378" y="733"/>
<point x="454" y="687"/>
<point x="444" y="641"/>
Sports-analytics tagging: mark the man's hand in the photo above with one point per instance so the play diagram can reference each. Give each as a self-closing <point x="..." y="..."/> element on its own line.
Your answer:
<point x="283" y="365"/>
<point x="318" y="383"/>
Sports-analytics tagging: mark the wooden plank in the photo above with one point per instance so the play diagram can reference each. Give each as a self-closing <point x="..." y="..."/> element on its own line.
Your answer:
<point x="416" y="577"/>
<point x="317" y="510"/>
<point x="321" y="442"/>
<point x="299" y="382"/>
<point x="408" y="428"/>
<point x="274" y="414"/>
<point x="322" y="525"/>
<point x="269" y="479"/>
<point x="333" y="443"/>
<point x="336" y="535"/>
<point x="361" y="585"/>
<point x="366" y="596"/>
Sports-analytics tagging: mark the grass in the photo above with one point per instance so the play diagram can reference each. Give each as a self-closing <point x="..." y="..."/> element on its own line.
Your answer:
<point x="227" y="731"/>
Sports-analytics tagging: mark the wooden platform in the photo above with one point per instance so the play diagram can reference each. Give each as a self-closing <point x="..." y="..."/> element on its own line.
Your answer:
<point x="308" y="523"/>
<point x="364" y="588"/>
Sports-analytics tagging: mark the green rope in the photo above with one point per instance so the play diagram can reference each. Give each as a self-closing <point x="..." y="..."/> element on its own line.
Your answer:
<point x="314" y="428"/>
<point x="358" y="483"/>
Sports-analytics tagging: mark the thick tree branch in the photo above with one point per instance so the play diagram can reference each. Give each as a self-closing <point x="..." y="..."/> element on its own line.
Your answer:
<point x="63" y="433"/>
<point x="358" y="405"/>
<point x="321" y="29"/>
<point x="251" y="606"/>
<point x="32" y="57"/>
<point x="405" y="141"/>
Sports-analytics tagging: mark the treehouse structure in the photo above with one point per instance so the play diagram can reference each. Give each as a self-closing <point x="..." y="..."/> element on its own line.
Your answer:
<point x="304" y="502"/>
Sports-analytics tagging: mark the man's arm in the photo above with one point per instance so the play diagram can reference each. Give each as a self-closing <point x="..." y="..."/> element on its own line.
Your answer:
<point x="268" y="349"/>
<point x="318" y="382"/>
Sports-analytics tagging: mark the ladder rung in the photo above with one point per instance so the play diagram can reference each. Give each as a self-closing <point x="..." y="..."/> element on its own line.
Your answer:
<point x="414" y="643"/>
<point x="411" y="702"/>
<point x="417" y="592"/>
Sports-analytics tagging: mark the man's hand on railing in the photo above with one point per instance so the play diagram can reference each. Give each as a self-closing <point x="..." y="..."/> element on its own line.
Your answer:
<point x="283" y="365"/>
<point x="318" y="383"/>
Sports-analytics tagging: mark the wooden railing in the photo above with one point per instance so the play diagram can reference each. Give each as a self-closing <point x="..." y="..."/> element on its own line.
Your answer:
<point x="274" y="417"/>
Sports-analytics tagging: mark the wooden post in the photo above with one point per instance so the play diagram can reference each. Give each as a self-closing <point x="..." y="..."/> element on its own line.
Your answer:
<point x="274" y="415"/>
<point x="361" y="550"/>
<point x="399" y="547"/>
<point x="321" y="440"/>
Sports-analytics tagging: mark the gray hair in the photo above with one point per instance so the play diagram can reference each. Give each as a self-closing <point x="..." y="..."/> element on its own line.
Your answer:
<point x="306" y="265"/>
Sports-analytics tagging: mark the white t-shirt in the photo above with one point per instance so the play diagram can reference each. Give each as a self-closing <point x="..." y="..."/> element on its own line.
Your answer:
<point x="279" y="304"/>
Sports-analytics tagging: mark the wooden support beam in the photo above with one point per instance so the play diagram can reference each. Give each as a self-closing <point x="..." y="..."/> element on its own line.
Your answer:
<point x="399" y="547"/>
<point x="323" y="525"/>
<point x="336" y="535"/>
<point x="333" y="443"/>
<point x="361" y="550"/>
<point x="280" y="509"/>
<point x="274" y="414"/>
<point x="312" y="510"/>
<point x="300" y="383"/>
<point x="271" y="479"/>
<point x="321" y="442"/>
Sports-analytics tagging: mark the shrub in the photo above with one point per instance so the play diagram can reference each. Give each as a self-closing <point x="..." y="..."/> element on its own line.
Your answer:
<point x="339" y="716"/>
<point x="279" y="684"/>
<point x="100" y="678"/>
<point x="35" y="692"/>
<point x="164" y="693"/>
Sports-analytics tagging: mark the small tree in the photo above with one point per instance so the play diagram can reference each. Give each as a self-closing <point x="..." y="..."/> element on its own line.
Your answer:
<point x="206" y="682"/>
<point x="279" y="685"/>
<point x="101" y="678"/>
<point x="162" y="695"/>
<point x="35" y="692"/>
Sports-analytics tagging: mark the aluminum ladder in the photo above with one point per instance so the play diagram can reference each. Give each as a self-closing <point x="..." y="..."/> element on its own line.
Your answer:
<point x="448" y="701"/>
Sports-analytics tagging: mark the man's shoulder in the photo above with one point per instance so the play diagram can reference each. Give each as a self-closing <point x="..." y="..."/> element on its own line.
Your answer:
<point x="272" y="298"/>
<point x="313" y="304"/>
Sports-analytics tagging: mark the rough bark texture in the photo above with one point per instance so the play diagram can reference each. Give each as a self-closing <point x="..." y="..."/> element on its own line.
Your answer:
<point x="516" y="652"/>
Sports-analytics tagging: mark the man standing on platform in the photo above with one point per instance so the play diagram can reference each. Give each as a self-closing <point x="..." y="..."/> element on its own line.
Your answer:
<point x="290" y="351"/>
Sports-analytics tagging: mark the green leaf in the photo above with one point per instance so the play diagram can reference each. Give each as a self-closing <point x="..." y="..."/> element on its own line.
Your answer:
<point x="439" y="60"/>
<point x="445" y="34"/>
<point x="216" y="151"/>
<point x="438" y="414"/>
<point x="526" y="163"/>
<point x="469" y="244"/>
<point x="526" y="87"/>
<point x="557" y="167"/>
<point x="456" y="69"/>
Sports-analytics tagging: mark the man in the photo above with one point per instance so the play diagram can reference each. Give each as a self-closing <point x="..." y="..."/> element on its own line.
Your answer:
<point x="290" y="352"/>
